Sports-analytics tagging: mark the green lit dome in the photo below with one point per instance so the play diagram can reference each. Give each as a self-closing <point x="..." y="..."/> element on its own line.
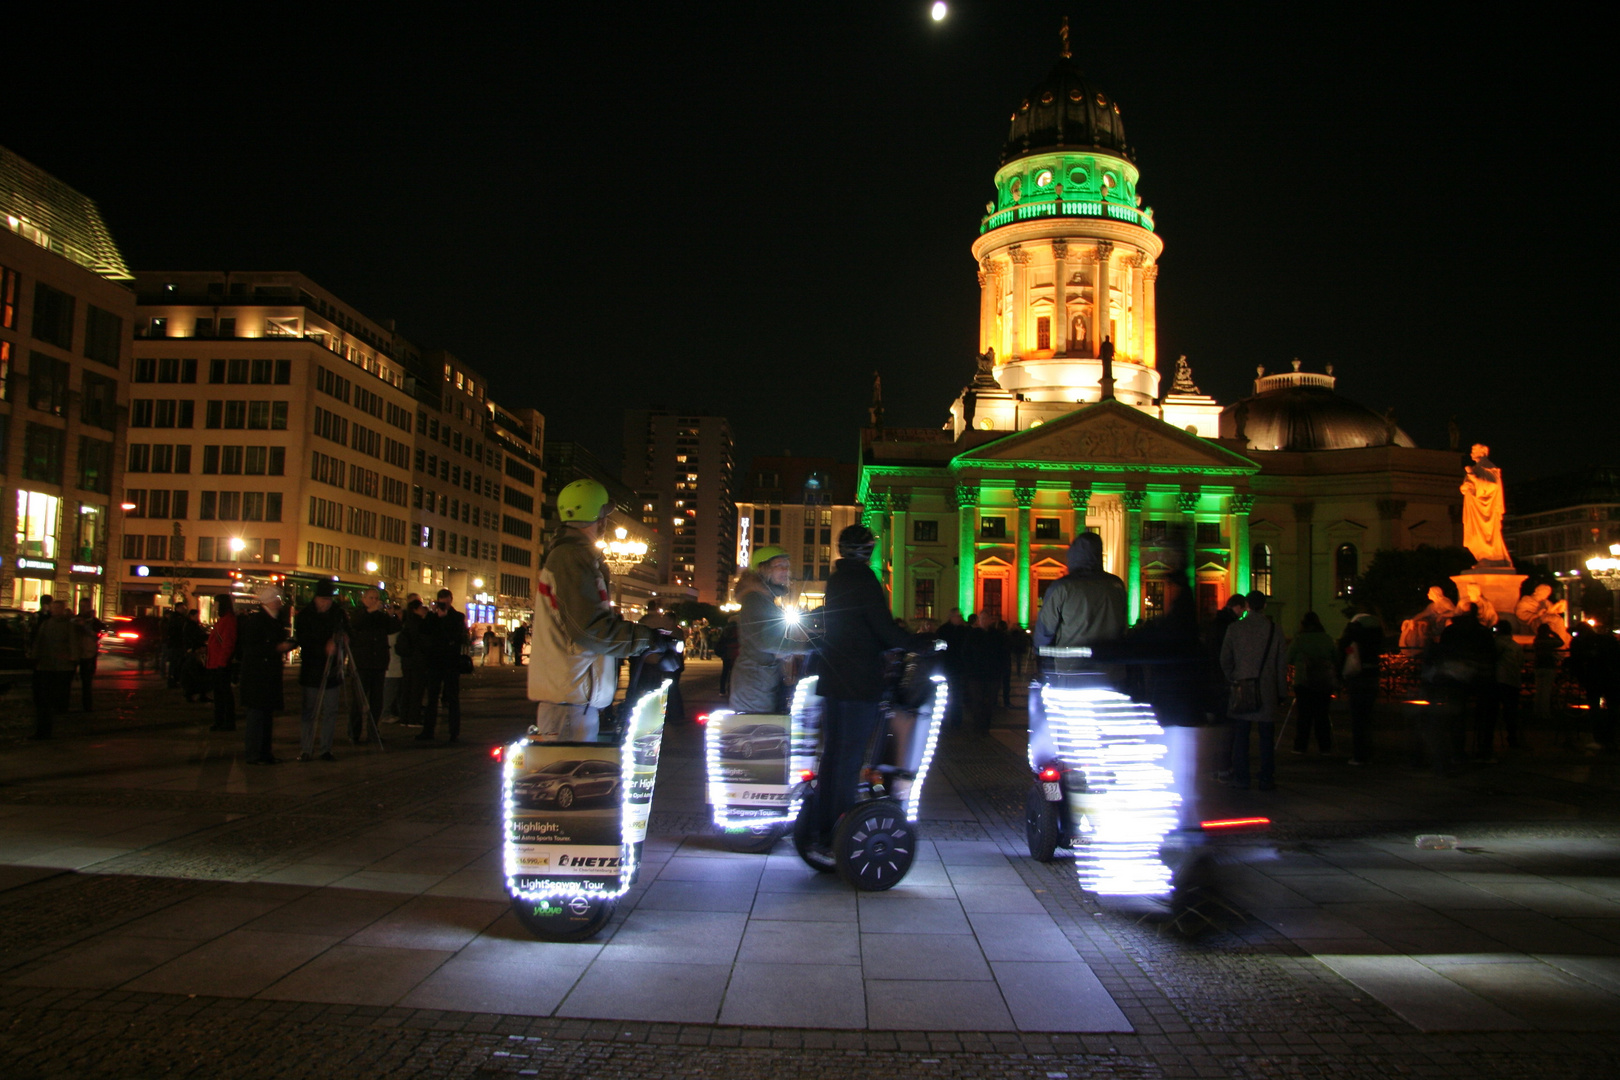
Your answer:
<point x="1063" y="111"/>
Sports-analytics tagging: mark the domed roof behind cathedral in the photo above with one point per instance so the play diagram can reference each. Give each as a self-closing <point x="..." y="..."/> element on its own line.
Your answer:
<point x="1301" y="410"/>
<point x="1065" y="111"/>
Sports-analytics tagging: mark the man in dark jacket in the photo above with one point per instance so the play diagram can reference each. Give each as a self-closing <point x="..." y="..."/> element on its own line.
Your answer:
<point x="262" y="642"/>
<point x="410" y="647"/>
<point x="1084" y="607"/>
<point x="444" y="638"/>
<point x="372" y="625"/>
<point x="321" y="629"/>
<point x="859" y="629"/>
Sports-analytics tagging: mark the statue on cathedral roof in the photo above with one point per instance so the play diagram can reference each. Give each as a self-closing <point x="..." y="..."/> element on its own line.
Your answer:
<point x="874" y="412"/>
<point x="1184" y="378"/>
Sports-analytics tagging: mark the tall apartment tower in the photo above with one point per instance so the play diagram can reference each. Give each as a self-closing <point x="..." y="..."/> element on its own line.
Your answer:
<point x="271" y="435"/>
<point x="65" y="322"/>
<point x="680" y="468"/>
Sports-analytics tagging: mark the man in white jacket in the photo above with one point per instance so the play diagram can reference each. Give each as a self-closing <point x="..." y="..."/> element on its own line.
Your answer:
<point x="578" y="636"/>
<point x="1254" y="649"/>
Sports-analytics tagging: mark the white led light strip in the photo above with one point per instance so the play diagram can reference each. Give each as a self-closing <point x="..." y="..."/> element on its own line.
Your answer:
<point x="593" y="887"/>
<point x="1129" y="803"/>
<point x="802" y="758"/>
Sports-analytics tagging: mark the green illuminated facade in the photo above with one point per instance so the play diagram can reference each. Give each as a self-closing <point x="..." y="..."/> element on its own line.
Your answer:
<point x="985" y="522"/>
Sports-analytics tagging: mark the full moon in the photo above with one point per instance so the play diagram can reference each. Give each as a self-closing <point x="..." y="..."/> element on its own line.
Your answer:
<point x="939" y="10"/>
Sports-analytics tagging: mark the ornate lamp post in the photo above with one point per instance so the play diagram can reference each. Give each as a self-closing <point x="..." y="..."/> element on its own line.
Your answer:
<point x="622" y="555"/>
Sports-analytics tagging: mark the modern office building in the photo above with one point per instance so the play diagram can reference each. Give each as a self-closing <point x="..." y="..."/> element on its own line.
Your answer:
<point x="1559" y="522"/>
<point x="475" y="493"/>
<point x="271" y="433"/>
<point x="798" y="505"/>
<point x="66" y="316"/>
<point x="680" y="468"/>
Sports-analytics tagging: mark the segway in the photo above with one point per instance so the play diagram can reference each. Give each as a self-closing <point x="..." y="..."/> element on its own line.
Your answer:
<point x="574" y="817"/>
<point x="1100" y="789"/>
<point x="875" y="842"/>
<point x="756" y="762"/>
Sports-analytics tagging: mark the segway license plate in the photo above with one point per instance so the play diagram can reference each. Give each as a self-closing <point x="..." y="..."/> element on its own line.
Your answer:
<point x="576" y="813"/>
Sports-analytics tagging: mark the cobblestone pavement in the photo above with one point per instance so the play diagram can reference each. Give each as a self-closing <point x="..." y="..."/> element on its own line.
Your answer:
<point x="143" y="815"/>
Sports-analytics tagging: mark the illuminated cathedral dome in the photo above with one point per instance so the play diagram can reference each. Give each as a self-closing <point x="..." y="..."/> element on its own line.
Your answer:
<point x="1065" y="111"/>
<point x="1300" y="410"/>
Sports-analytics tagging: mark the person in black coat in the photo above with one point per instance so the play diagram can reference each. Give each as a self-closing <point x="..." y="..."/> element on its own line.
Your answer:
<point x="369" y="647"/>
<point x="321" y="629"/>
<point x="859" y="630"/>
<point x="443" y="639"/>
<point x="262" y="643"/>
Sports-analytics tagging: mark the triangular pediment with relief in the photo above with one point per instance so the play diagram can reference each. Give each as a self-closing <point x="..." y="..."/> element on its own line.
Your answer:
<point x="1107" y="435"/>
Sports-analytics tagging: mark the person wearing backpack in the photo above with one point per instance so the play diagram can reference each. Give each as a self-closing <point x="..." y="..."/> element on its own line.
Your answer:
<point x="1314" y="659"/>
<point x="1252" y="661"/>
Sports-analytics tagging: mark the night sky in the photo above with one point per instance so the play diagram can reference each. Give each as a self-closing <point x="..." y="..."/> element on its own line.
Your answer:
<point x="747" y="209"/>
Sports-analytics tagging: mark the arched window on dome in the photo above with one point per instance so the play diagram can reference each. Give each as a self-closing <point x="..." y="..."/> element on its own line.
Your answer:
<point x="1345" y="567"/>
<point x="1260" y="569"/>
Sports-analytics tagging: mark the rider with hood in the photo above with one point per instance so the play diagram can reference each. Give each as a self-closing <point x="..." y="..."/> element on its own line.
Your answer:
<point x="765" y="633"/>
<point x="1084" y="607"/>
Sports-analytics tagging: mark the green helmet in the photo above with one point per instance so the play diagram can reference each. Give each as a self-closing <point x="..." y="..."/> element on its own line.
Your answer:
<point x="763" y="555"/>
<point x="582" y="501"/>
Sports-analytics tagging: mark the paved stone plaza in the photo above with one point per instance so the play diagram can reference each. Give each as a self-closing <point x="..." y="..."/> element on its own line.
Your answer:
<point x="168" y="911"/>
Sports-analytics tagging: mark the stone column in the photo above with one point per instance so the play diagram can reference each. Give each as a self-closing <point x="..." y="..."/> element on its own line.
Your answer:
<point x="1305" y="556"/>
<point x="1187" y="504"/>
<point x="1150" y="322"/>
<point x="1133" y="502"/>
<point x="1019" y="315"/>
<point x="1099" y="300"/>
<point x="1026" y="498"/>
<point x="1080" y="500"/>
<point x="967" y="528"/>
<point x="989" y="283"/>
<point x="1138" y="323"/>
<point x="1060" y="296"/>
<point x="1242" y="554"/>
<point x="899" y="578"/>
<point x="1390" y="512"/>
<point x="877" y="519"/>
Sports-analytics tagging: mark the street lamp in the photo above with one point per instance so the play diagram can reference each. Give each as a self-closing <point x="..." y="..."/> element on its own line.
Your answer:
<point x="237" y="544"/>
<point x="620" y="554"/>
<point x="371" y="566"/>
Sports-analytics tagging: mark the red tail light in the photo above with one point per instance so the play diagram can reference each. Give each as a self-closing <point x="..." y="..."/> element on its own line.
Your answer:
<point x="129" y="635"/>
<point x="807" y="775"/>
<point x="498" y="753"/>
<point x="1237" y="823"/>
<point x="702" y="718"/>
<point x="1050" y="773"/>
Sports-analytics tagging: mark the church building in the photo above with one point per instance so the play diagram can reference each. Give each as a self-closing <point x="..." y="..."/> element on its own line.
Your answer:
<point x="1069" y="423"/>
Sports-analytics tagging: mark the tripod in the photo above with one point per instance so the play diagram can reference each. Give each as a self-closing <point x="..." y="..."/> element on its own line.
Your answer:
<point x="347" y="670"/>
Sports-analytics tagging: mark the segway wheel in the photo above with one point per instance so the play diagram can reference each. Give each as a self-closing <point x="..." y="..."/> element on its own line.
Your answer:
<point x="875" y="845"/>
<point x="805" y="828"/>
<point x="1040" y="824"/>
<point x="573" y="919"/>
<point x="757" y="839"/>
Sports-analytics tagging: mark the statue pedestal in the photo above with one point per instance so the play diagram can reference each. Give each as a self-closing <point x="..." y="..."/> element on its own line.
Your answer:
<point x="1500" y="587"/>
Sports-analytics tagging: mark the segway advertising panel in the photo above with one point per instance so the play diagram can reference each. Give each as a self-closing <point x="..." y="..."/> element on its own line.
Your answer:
<point x="1101" y="788"/>
<point x="756" y="764"/>
<point x="875" y="842"/>
<point x="575" y="816"/>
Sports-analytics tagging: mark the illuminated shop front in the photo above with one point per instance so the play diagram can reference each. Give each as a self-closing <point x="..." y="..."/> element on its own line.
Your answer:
<point x="38" y="521"/>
